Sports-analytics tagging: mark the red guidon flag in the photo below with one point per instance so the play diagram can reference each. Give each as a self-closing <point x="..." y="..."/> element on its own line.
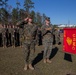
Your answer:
<point x="69" y="40"/>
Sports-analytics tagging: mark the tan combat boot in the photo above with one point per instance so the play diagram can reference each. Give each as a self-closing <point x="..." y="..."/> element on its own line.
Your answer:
<point x="13" y="46"/>
<point x="26" y="67"/>
<point x="31" y="67"/>
<point x="48" y="61"/>
<point x="44" y="60"/>
<point x="3" y="47"/>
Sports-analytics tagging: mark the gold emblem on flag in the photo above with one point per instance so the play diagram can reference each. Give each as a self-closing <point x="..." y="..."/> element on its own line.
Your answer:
<point x="69" y="40"/>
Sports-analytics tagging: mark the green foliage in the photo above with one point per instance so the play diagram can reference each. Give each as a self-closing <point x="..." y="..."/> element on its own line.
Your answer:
<point x="55" y="26"/>
<point x="43" y="18"/>
<point x="33" y="15"/>
<point x="22" y="14"/>
<point x="28" y="4"/>
<point x="3" y="3"/>
<point x="18" y="4"/>
<point x="14" y="15"/>
<point x="4" y="15"/>
<point x="39" y="17"/>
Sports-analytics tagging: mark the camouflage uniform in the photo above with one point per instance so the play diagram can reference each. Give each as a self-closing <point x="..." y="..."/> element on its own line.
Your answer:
<point x="10" y="36"/>
<point x="29" y="39"/>
<point x="4" y="37"/>
<point x="47" y="41"/>
<point x="57" y="36"/>
<point x="21" y="36"/>
<point x="29" y="42"/>
<point x="13" y="37"/>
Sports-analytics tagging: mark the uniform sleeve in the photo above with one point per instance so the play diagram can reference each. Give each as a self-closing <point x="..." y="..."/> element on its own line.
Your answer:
<point x="43" y="30"/>
<point x="22" y="22"/>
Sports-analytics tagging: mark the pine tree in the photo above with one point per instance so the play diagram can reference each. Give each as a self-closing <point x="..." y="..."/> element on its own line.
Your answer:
<point x="5" y="4"/>
<point x="14" y="16"/>
<point x="43" y="17"/>
<point x="33" y="15"/>
<point x="22" y="14"/>
<point x="1" y="3"/>
<point x="18" y="4"/>
<point x="28" y="4"/>
<point x="39" y="18"/>
<point x="4" y="16"/>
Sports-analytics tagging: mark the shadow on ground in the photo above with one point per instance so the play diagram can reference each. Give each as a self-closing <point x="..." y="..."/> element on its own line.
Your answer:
<point x="54" y="52"/>
<point x="39" y="57"/>
<point x="67" y="57"/>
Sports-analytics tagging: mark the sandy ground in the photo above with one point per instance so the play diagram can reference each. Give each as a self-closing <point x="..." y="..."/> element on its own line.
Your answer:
<point x="12" y="62"/>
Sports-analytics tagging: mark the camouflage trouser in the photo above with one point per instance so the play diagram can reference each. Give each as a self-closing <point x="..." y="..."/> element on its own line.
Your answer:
<point x="10" y="39"/>
<point x="13" y="41"/>
<point x="21" y="40"/>
<point x="47" y="49"/>
<point x="29" y="52"/>
<point x="57" y="39"/>
<point x="4" y="40"/>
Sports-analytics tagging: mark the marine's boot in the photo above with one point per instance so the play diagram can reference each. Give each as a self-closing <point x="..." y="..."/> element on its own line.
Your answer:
<point x="31" y="67"/>
<point x="48" y="61"/>
<point x="26" y="67"/>
<point x="44" y="60"/>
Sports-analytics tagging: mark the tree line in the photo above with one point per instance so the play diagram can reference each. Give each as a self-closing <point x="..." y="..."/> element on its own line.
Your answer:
<point x="8" y="14"/>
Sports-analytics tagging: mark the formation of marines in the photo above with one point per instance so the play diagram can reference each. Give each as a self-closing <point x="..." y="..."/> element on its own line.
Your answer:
<point x="10" y="35"/>
<point x="27" y="34"/>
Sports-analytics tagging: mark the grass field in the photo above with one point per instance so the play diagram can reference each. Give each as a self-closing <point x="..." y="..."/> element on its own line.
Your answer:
<point x="12" y="62"/>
